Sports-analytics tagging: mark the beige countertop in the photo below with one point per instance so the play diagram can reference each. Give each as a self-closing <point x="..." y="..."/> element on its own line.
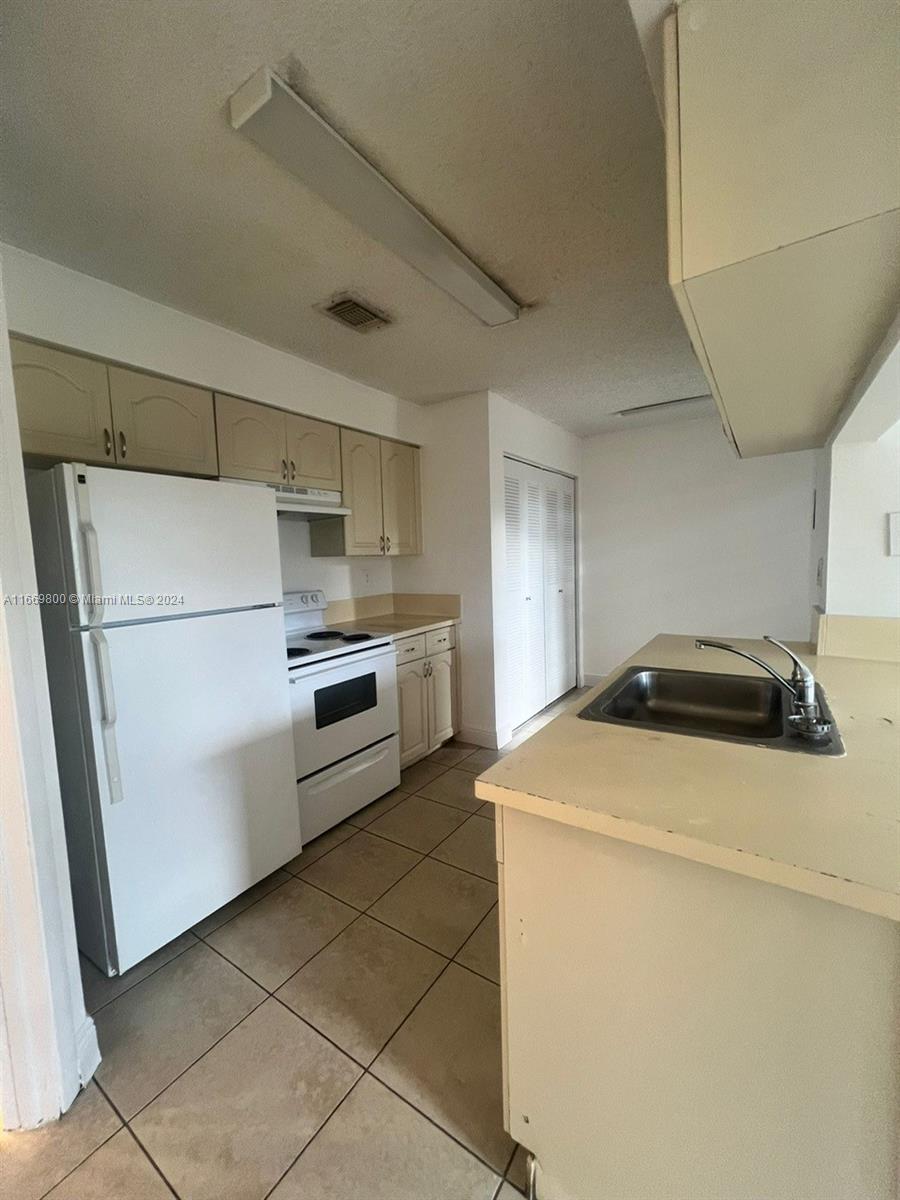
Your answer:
<point x="829" y="827"/>
<point x="399" y="624"/>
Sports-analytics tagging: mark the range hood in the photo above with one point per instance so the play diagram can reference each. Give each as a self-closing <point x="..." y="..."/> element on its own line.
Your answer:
<point x="310" y="504"/>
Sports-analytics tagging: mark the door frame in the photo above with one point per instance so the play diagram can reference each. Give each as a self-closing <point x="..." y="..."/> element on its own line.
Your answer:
<point x="505" y="732"/>
<point x="48" y="1043"/>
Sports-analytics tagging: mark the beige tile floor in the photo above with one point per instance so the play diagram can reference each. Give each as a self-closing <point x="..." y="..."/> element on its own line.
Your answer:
<point x="333" y="1034"/>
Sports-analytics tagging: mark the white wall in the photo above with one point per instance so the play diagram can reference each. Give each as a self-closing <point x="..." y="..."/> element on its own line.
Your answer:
<point x="456" y="508"/>
<point x="523" y="434"/>
<point x="55" y="304"/>
<point x="48" y="1043"/>
<point x="339" y="578"/>
<point x="680" y="536"/>
<point x="863" y="579"/>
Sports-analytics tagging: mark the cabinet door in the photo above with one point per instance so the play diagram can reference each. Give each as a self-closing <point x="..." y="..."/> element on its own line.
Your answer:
<point x="402" y="507"/>
<point x="440" y="698"/>
<point x="160" y="423"/>
<point x="361" y="465"/>
<point x="63" y="403"/>
<point x="558" y="513"/>
<point x="524" y="642"/>
<point x="412" y="695"/>
<point x="251" y="440"/>
<point x="314" y="453"/>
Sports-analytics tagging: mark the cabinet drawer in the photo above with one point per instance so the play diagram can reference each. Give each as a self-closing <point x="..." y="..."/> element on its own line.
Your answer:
<point x="437" y="640"/>
<point x="411" y="648"/>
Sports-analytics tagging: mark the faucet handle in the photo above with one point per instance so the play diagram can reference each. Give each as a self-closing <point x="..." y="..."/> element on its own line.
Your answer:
<point x="801" y="670"/>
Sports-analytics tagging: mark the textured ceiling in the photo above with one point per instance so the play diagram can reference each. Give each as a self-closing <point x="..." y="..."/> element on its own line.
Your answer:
<point x="525" y="129"/>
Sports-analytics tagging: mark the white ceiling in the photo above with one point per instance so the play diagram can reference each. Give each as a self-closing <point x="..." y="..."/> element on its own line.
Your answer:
<point x="525" y="129"/>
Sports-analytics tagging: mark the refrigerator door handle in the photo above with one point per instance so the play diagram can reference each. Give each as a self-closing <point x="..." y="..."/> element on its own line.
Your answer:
<point x="107" y="714"/>
<point x="92" y="545"/>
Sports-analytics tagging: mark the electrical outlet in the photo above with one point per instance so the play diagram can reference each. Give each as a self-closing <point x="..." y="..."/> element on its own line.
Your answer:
<point x="894" y="534"/>
<point x="367" y="577"/>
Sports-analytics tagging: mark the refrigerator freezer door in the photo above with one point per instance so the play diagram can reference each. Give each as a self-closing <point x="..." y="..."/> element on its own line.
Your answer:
<point x="202" y="731"/>
<point x="183" y="545"/>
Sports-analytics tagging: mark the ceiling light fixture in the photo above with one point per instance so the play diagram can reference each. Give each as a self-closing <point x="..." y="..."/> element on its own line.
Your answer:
<point x="279" y="122"/>
<point x="645" y="408"/>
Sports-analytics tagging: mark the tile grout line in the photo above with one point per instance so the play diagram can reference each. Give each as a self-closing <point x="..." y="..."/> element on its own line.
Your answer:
<point x="153" y="1163"/>
<point x="310" y="1140"/>
<point x="126" y="1123"/>
<point x="212" y="1046"/>
<point x="150" y="974"/>
<point x="365" y="1069"/>
<point x="143" y="1148"/>
<point x="100" y="1145"/>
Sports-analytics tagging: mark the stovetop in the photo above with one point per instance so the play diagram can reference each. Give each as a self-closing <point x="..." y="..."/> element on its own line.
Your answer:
<point x="309" y="641"/>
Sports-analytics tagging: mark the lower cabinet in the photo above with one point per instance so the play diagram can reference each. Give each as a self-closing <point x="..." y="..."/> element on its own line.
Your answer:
<point x="412" y="696"/>
<point x="426" y="690"/>
<point x="440" y="698"/>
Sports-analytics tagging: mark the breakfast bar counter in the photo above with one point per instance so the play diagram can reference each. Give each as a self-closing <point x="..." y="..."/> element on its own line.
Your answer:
<point x="828" y="826"/>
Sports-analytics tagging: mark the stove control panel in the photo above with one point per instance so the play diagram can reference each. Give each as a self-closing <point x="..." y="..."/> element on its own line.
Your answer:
<point x="312" y="601"/>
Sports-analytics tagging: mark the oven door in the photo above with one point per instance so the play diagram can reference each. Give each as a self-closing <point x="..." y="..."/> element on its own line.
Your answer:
<point x="340" y="706"/>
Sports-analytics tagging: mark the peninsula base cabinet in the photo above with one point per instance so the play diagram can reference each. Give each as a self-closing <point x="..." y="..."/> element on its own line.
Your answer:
<point x="702" y="1034"/>
<point x="427" y="694"/>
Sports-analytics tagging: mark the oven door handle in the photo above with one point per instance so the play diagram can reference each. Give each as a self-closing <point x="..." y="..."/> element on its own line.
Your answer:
<point x="362" y="763"/>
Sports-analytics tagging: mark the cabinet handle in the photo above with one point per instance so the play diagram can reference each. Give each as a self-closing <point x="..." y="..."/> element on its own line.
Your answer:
<point x="107" y="442"/>
<point x="123" y="447"/>
<point x="293" y="469"/>
<point x="284" y="468"/>
<point x="381" y="543"/>
<point x="388" y="544"/>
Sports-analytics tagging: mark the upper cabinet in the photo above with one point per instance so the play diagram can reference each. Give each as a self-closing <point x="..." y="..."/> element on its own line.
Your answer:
<point x="313" y="453"/>
<point x="75" y="408"/>
<point x="162" y="424"/>
<point x="400" y="495"/>
<point x="361" y="463"/>
<point x="252" y="440"/>
<point x="63" y="404"/>
<point x="784" y="205"/>
<point x="381" y="488"/>
<point x="273" y="446"/>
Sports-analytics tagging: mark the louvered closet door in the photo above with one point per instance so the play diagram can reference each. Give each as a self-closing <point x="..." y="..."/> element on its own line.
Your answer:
<point x="558" y="494"/>
<point x="524" y="631"/>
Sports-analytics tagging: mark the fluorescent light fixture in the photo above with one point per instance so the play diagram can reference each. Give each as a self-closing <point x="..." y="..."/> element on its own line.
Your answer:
<point x="694" y="401"/>
<point x="279" y="122"/>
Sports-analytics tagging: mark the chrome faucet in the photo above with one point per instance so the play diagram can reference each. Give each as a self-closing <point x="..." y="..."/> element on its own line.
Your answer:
<point x="806" y="716"/>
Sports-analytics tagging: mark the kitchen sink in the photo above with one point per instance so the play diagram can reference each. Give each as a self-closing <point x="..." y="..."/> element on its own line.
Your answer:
<point x="727" y="708"/>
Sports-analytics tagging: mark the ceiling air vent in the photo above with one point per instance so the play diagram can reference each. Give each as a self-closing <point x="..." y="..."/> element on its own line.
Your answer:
<point x="354" y="314"/>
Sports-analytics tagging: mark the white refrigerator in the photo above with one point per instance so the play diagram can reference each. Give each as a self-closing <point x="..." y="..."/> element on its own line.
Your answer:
<point x="165" y="647"/>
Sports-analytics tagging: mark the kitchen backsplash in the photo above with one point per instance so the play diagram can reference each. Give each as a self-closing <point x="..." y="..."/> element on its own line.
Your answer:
<point x="337" y="577"/>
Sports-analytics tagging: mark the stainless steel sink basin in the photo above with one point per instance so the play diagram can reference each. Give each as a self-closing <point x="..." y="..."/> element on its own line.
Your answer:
<point x="727" y="708"/>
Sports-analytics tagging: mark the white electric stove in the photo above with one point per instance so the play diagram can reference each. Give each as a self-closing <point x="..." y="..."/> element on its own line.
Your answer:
<point x="344" y="713"/>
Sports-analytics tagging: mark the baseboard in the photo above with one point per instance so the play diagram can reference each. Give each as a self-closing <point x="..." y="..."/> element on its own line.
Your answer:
<point x="479" y="737"/>
<point x="87" y="1050"/>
